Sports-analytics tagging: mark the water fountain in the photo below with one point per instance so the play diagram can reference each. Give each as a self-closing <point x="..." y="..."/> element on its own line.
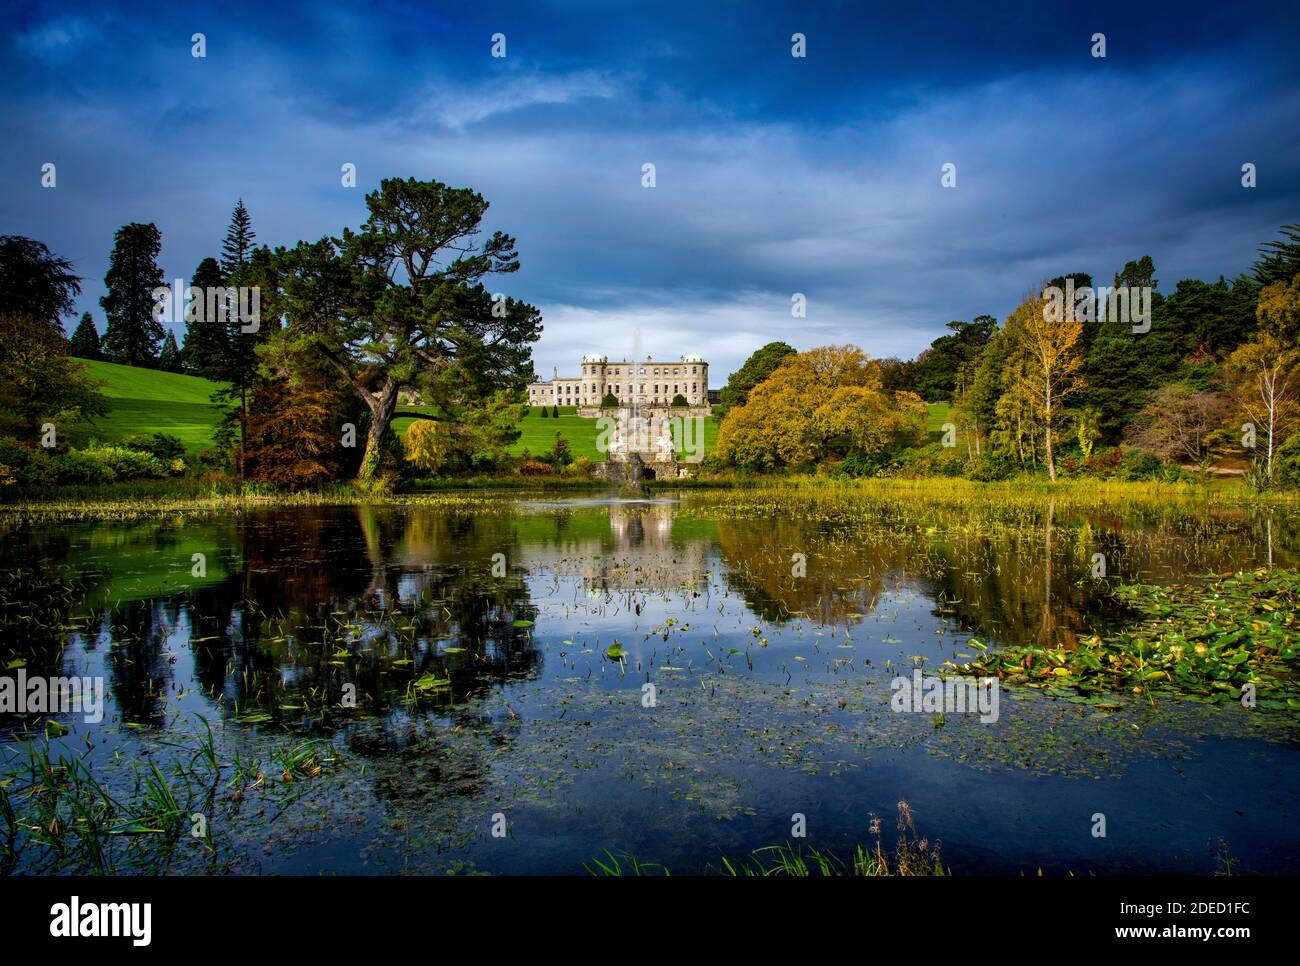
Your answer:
<point x="639" y="445"/>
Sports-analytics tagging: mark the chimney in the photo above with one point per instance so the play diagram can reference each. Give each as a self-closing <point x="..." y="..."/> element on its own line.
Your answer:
<point x="555" y="373"/>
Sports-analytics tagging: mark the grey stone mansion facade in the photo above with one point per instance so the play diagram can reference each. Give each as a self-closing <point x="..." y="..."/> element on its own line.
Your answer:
<point x="652" y="384"/>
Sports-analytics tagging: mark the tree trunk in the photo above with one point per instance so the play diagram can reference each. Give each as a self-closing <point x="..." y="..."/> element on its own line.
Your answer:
<point x="382" y="406"/>
<point x="1047" y="435"/>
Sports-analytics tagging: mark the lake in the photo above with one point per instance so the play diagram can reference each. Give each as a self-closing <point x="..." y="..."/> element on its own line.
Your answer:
<point x="517" y="685"/>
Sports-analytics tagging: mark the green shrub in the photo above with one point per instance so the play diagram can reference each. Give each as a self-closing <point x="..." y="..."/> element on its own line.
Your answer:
<point x="23" y="466"/>
<point x="987" y="469"/>
<point x="120" y="463"/>
<point x="1140" y="465"/>
<point x="1286" y="464"/>
<point x="582" y="466"/>
<point x="78" y="466"/>
<point x="560" y="455"/>
<point x="166" y="448"/>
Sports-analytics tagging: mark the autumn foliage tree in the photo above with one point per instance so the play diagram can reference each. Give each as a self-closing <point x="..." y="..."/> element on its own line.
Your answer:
<point x="296" y="414"/>
<point x="1048" y="335"/>
<point x="1266" y="370"/>
<point x="823" y="403"/>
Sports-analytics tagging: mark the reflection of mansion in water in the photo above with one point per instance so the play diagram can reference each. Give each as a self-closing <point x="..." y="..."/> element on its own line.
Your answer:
<point x="641" y="554"/>
<point x="647" y="384"/>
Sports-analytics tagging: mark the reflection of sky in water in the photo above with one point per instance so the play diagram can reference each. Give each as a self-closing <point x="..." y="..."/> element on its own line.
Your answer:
<point x="772" y="690"/>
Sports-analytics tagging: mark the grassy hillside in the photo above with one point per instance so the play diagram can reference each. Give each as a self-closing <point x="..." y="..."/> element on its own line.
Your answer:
<point x="148" y="401"/>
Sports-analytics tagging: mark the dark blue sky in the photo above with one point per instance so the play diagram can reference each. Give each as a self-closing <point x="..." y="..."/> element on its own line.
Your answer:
<point x="775" y="175"/>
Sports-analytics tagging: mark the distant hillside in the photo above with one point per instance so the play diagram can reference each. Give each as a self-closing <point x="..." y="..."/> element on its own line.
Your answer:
<point x="148" y="401"/>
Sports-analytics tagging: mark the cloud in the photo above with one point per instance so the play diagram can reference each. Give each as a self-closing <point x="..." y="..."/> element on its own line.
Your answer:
<point x="773" y="177"/>
<point x="54" y="39"/>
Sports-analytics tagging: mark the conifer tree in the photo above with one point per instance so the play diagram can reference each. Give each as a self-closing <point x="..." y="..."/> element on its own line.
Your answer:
<point x="85" y="340"/>
<point x="133" y="334"/>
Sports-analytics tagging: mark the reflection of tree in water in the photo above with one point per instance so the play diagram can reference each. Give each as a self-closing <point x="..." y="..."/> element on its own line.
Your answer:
<point x="1016" y="583"/>
<point x="332" y="597"/>
<point x="844" y="573"/>
<point x="138" y="661"/>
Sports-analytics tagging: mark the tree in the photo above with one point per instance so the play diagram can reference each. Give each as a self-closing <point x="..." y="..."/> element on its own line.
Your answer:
<point x="1049" y="334"/>
<point x="400" y="304"/>
<point x="1176" y="423"/>
<point x="479" y="441"/>
<point x="609" y="402"/>
<point x="1266" y="370"/>
<point x="679" y="402"/>
<point x="38" y="381"/>
<point x="296" y="412"/>
<point x="1279" y="260"/>
<point x="237" y="248"/>
<point x="938" y="367"/>
<point x="34" y="282"/>
<point x="206" y="348"/>
<point x="1212" y="320"/>
<point x="757" y="367"/>
<point x="85" y="340"/>
<point x="820" y="404"/>
<point x="169" y="357"/>
<point x="262" y="273"/>
<point x="133" y="333"/>
<point x="978" y="407"/>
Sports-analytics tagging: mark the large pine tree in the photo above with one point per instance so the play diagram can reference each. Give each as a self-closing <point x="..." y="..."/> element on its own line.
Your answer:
<point x="85" y="340"/>
<point x="206" y="348"/>
<point x="133" y="334"/>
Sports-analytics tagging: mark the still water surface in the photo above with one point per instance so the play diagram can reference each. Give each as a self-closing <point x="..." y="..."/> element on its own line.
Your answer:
<point x="475" y="641"/>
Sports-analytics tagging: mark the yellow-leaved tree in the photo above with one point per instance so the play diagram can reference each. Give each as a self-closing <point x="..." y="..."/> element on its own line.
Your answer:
<point x="823" y="403"/>
<point x="1049" y="340"/>
<point x="1266" y="370"/>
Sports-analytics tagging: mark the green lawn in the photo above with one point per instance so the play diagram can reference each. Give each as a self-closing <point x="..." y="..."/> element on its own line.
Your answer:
<point x="937" y="416"/>
<point x="539" y="433"/>
<point x="148" y="401"/>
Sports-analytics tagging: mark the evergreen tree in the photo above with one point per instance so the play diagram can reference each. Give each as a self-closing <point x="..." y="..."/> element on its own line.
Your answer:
<point x="133" y="334"/>
<point x="85" y="340"/>
<point x="169" y="358"/>
<point x="400" y="304"/>
<point x="757" y="367"/>
<point x="206" y="349"/>
<point x="238" y="246"/>
<point x="1279" y="260"/>
<point x="34" y="282"/>
<point x="262" y="271"/>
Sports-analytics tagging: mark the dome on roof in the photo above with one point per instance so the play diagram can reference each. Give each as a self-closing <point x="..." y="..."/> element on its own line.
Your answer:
<point x="693" y="358"/>
<point x="593" y="357"/>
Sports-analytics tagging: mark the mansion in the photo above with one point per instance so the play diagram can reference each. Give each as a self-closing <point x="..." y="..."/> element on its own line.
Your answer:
<point x="650" y="384"/>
